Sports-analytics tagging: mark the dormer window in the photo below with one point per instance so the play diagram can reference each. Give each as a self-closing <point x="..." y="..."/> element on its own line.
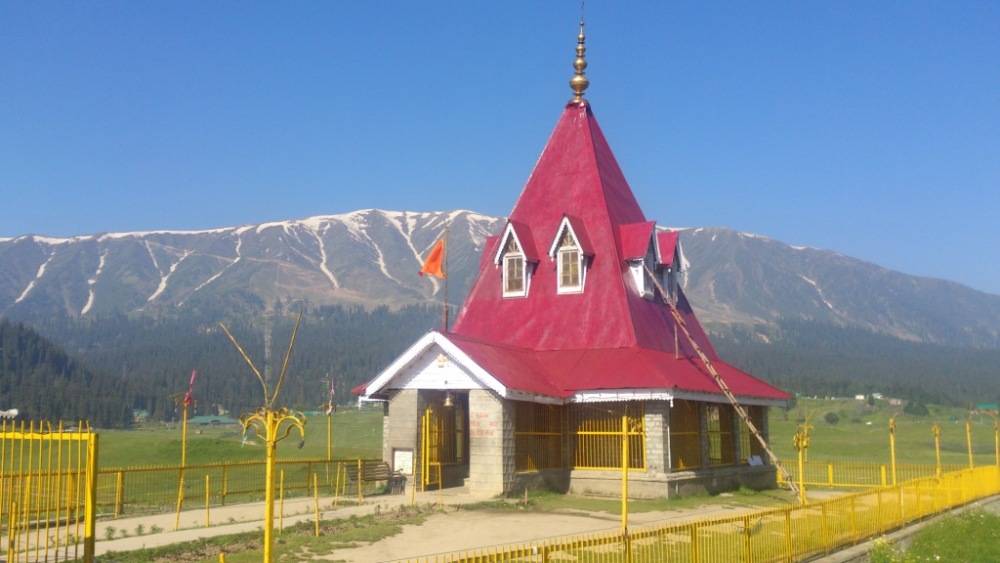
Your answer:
<point x="514" y="284"/>
<point x="570" y="265"/>
<point x="639" y="252"/>
<point x="570" y="250"/>
<point x="515" y="256"/>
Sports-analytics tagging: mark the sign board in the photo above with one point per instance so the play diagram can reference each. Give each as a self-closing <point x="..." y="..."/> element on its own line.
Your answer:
<point x="402" y="461"/>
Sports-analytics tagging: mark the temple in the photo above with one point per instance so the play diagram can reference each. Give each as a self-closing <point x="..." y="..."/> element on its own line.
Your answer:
<point x="564" y="339"/>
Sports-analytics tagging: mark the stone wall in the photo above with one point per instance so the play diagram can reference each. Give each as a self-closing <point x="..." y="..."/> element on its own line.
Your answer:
<point x="491" y="443"/>
<point x="657" y="423"/>
<point x="401" y="428"/>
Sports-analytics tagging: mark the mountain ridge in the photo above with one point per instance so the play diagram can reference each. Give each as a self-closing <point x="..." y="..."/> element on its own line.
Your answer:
<point x="370" y="257"/>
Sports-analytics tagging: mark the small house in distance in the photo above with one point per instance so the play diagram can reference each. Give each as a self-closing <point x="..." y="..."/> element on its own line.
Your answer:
<point x="563" y="333"/>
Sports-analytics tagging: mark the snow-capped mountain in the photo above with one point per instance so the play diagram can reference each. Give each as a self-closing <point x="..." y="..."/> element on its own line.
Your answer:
<point x="370" y="257"/>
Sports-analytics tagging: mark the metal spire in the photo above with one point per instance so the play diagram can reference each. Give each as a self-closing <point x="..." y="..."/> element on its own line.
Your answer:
<point x="579" y="81"/>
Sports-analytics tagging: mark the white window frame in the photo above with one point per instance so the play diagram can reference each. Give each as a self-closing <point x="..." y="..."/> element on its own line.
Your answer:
<point x="581" y="268"/>
<point x="525" y="278"/>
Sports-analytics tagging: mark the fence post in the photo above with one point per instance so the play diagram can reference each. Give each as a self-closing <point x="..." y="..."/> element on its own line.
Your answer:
<point x="747" y="551"/>
<point x="119" y="492"/>
<point x="90" y="501"/>
<point x="968" y="442"/>
<point x="854" y="519"/>
<point x="225" y="483"/>
<point x="316" y="500"/>
<point x="208" y="497"/>
<point x="281" y="501"/>
<point x="695" y="556"/>
<point x="936" y="429"/>
<point x="789" y="548"/>
<point x="360" y="481"/>
<point x="892" y="448"/>
<point x="883" y="475"/>
<point x="12" y="525"/>
<point x="829" y="474"/>
<point x="878" y="509"/>
<point x="996" y="440"/>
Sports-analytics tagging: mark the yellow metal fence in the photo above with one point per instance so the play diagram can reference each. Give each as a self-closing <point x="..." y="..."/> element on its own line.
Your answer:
<point x="138" y="490"/>
<point x="850" y="475"/>
<point x="779" y="534"/>
<point x="597" y="435"/>
<point x="46" y="491"/>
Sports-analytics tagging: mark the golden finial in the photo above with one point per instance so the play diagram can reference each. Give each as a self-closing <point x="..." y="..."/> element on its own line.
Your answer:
<point x="579" y="81"/>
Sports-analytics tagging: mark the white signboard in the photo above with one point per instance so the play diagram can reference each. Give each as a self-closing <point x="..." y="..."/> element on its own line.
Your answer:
<point x="402" y="461"/>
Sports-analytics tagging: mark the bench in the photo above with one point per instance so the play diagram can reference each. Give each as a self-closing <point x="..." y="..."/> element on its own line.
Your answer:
<point x="376" y="472"/>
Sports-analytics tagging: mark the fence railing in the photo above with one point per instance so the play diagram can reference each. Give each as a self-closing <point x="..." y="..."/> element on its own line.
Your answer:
<point x="855" y="475"/>
<point x="134" y="490"/>
<point x="46" y="491"/>
<point x="777" y="534"/>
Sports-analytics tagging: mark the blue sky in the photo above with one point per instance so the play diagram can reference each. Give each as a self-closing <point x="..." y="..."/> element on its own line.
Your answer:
<point x="870" y="128"/>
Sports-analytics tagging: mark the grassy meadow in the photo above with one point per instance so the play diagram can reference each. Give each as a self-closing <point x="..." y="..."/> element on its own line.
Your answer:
<point x="356" y="433"/>
<point x="859" y="435"/>
<point x="862" y="434"/>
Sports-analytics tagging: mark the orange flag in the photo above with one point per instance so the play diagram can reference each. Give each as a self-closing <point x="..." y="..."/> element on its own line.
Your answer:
<point x="434" y="264"/>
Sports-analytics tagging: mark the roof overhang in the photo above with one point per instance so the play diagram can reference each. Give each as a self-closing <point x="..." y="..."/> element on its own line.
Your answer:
<point x="635" y="239"/>
<point x="377" y="387"/>
<point x="524" y="241"/>
<point x="578" y="232"/>
<point x="614" y="395"/>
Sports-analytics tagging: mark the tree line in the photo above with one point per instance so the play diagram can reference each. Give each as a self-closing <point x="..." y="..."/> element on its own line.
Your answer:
<point x="115" y="365"/>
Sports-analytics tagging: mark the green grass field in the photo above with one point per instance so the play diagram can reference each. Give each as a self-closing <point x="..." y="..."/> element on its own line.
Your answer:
<point x="963" y="538"/>
<point x="854" y="439"/>
<point x="356" y="433"/>
<point x="861" y="435"/>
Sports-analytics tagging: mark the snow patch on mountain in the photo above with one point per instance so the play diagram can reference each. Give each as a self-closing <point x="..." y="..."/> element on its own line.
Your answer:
<point x="396" y="220"/>
<point x="38" y="276"/>
<point x="92" y="293"/>
<point x="164" y="279"/>
<point x="152" y="257"/>
<point x="819" y="291"/>
<point x="217" y="275"/>
<point x="322" y="257"/>
<point x="145" y="234"/>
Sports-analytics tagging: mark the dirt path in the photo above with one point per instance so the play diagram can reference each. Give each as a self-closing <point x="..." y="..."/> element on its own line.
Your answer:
<point x="478" y="529"/>
<point x="454" y="530"/>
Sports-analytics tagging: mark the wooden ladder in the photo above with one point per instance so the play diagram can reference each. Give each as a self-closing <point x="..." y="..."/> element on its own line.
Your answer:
<point x="679" y="320"/>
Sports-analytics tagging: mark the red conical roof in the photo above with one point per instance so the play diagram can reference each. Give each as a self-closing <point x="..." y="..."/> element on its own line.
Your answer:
<point x="577" y="175"/>
<point x="608" y="337"/>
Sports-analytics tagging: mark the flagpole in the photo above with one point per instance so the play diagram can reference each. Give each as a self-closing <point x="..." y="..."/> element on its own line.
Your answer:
<point x="445" y="297"/>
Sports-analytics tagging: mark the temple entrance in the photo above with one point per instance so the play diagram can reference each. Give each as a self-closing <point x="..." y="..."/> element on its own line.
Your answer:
<point x="444" y="440"/>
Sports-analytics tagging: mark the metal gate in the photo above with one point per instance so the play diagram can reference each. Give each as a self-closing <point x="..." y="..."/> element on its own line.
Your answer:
<point x="47" y="491"/>
<point x="431" y="439"/>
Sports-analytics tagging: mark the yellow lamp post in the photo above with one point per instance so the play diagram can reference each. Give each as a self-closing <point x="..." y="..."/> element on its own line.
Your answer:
<point x="892" y="448"/>
<point x="271" y="425"/>
<point x="180" y="478"/>
<point x="936" y="429"/>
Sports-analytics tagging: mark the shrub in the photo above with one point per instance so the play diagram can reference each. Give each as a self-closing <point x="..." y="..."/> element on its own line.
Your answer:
<point x="831" y="418"/>
<point x="916" y="408"/>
